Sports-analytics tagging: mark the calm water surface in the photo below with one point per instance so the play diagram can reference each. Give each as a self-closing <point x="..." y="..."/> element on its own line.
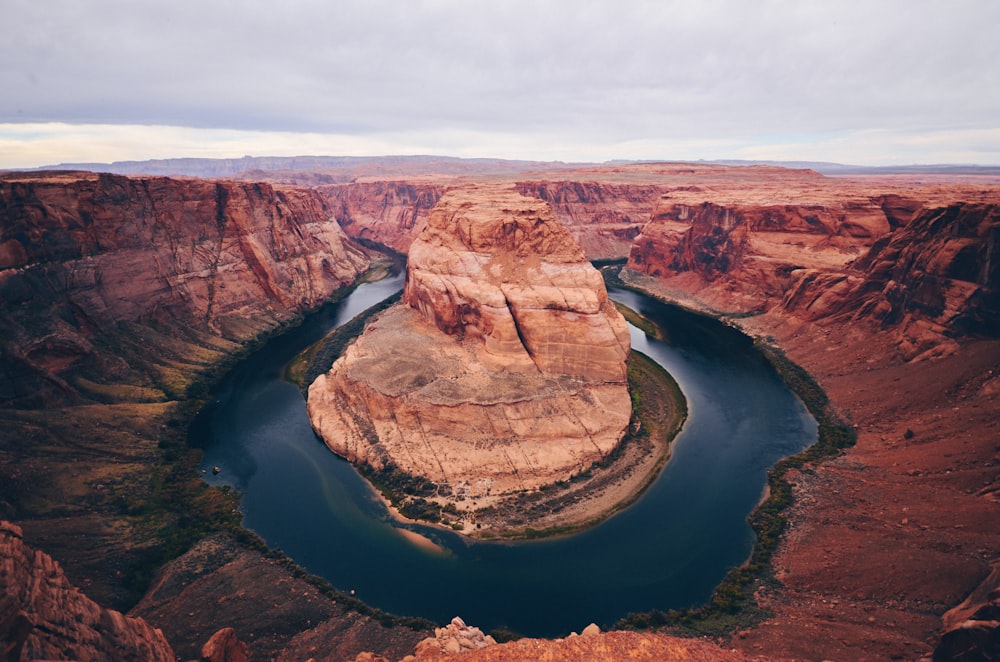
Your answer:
<point x="668" y="550"/>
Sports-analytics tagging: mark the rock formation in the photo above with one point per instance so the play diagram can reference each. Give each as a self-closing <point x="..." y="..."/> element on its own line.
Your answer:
<point x="934" y="280"/>
<point x="741" y="256"/>
<point x="81" y="254"/>
<point x="391" y="213"/>
<point x="604" y="217"/>
<point x="452" y="639"/>
<point x="43" y="617"/>
<point x="504" y="368"/>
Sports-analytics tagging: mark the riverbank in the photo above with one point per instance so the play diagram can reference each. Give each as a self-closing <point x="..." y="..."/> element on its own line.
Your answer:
<point x="585" y="499"/>
<point x="659" y="411"/>
<point x="878" y="541"/>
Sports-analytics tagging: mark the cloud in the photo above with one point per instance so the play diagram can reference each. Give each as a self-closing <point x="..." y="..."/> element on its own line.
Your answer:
<point x="590" y="73"/>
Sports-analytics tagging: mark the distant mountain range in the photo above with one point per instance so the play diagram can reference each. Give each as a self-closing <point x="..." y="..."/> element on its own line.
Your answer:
<point x="353" y="166"/>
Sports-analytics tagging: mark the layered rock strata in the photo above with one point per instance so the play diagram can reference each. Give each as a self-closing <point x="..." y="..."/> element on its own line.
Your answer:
<point x="82" y="254"/>
<point x="503" y="369"/>
<point x="391" y="213"/>
<point x="933" y="281"/>
<point x="928" y="273"/>
<point x="604" y="217"/>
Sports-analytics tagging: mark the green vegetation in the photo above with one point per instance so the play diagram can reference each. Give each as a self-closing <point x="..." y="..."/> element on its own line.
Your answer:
<point x="644" y="324"/>
<point x="406" y="493"/>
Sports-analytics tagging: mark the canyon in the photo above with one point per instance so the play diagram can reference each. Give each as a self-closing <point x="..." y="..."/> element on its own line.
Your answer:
<point x="119" y="293"/>
<point x="520" y="377"/>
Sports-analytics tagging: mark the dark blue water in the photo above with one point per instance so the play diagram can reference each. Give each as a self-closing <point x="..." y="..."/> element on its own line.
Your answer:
<point x="668" y="550"/>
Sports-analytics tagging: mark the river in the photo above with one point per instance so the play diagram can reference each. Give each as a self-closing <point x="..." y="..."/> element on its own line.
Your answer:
<point x="667" y="550"/>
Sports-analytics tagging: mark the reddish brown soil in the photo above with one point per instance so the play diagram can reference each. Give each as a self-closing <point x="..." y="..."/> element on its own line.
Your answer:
<point x="899" y="529"/>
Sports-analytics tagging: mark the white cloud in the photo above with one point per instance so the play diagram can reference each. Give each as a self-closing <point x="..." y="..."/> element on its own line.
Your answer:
<point x="589" y="75"/>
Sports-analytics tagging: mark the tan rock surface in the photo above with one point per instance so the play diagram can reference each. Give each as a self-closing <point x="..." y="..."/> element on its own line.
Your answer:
<point x="599" y="648"/>
<point x="505" y="371"/>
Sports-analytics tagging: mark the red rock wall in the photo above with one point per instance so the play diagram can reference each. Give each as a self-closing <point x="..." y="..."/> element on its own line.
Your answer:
<point x="936" y="278"/>
<point x="44" y="617"/>
<point x="604" y="218"/>
<point x="81" y="253"/>
<point x="741" y="257"/>
<point x="390" y="213"/>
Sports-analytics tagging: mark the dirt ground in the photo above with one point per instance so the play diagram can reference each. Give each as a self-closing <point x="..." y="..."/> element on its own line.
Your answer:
<point x="887" y="537"/>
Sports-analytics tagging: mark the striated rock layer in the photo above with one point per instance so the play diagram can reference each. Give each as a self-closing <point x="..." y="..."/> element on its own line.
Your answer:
<point x="503" y="369"/>
<point x="81" y="254"/>
<point x="927" y="274"/>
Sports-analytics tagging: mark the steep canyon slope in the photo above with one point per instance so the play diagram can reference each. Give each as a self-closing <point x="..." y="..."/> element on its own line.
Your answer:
<point x="117" y="295"/>
<point x="603" y="216"/>
<point x="502" y="370"/>
<point x="117" y="292"/>
<point x="85" y="255"/>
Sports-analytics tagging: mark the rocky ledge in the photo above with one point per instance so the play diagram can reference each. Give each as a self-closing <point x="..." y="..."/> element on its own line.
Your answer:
<point x="503" y="369"/>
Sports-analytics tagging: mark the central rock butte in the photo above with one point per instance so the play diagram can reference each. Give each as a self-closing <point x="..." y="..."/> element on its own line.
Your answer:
<point x="503" y="369"/>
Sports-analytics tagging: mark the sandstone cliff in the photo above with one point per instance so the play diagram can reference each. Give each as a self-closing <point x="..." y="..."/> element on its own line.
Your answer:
<point x="391" y="213"/>
<point x="741" y="256"/>
<point x="930" y="282"/>
<point x="504" y="368"/>
<point x="43" y="617"/>
<point x="604" y="217"/>
<point x="929" y="272"/>
<point x="83" y="254"/>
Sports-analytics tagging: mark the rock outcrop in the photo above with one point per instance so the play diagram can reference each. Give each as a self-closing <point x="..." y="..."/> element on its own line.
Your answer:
<point x="934" y="280"/>
<point x="43" y="617"/>
<point x="929" y="273"/>
<point x="603" y="217"/>
<point x="505" y="367"/>
<point x="82" y="254"/>
<point x="741" y="257"/>
<point x="455" y="638"/>
<point x="225" y="646"/>
<point x="391" y="213"/>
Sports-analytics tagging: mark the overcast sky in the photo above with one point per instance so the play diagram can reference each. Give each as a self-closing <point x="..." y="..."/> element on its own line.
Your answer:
<point x="868" y="82"/>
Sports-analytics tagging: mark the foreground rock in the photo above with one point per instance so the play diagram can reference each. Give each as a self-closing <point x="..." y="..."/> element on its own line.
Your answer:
<point x="271" y="607"/>
<point x="456" y="637"/>
<point x="503" y="370"/>
<point x="44" y="617"/>
<point x="600" y="646"/>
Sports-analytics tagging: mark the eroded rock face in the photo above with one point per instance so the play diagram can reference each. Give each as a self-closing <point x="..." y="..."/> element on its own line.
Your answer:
<point x="82" y="253"/>
<point x="934" y="280"/>
<point x="743" y="255"/>
<point x="391" y="213"/>
<point x="503" y="369"/>
<point x="46" y="618"/>
<point x="603" y="217"/>
<point x="499" y="266"/>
